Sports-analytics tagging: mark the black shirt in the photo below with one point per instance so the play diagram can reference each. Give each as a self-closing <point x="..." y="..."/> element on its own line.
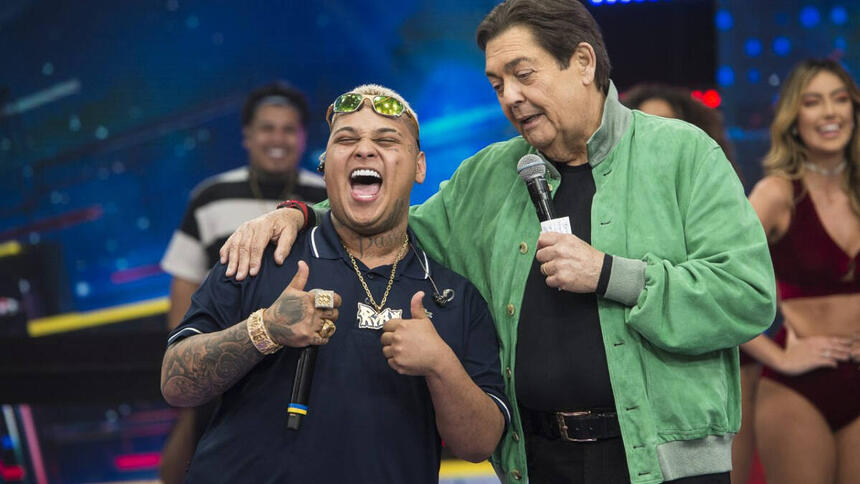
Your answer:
<point x="561" y="361"/>
<point x="366" y="422"/>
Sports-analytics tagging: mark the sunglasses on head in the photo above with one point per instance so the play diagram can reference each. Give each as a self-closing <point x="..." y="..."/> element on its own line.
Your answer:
<point x="351" y="102"/>
<point x="383" y="105"/>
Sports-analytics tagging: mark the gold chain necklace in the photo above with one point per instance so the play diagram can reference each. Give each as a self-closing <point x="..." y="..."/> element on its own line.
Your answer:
<point x="378" y="307"/>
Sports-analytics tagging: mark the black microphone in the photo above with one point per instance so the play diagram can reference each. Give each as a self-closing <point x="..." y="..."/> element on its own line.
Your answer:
<point x="298" y="407"/>
<point x="532" y="170"/>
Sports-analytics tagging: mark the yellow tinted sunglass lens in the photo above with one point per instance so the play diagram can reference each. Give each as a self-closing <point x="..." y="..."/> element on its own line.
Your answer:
<point x="347" y="103"/>
<point x="387" y="106"/>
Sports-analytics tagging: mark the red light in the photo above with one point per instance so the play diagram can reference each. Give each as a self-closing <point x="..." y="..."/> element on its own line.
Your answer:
<point x="11" y="473"/>
<point x="711" y="98"/>
<point x="136" y="462"/>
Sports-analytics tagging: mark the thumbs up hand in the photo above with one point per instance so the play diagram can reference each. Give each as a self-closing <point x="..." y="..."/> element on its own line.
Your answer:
<point x="293" y="320"/>
<point x="412" y="346"/>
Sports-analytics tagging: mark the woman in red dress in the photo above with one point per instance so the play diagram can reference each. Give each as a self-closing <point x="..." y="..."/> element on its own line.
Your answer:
<point x="807" y="406"/>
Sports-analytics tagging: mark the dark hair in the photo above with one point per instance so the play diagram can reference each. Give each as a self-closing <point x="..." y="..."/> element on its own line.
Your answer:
<point x="295" y="97"/>
<point x="557" y="25"/>
<point x="686" y="108"/>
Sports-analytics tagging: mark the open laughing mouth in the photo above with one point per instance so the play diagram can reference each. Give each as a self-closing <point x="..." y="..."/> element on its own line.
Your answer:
<point x="365" y="184"/>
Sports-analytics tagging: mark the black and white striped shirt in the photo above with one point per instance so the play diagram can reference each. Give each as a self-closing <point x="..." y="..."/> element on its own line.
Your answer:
<point x="218" y="206"/>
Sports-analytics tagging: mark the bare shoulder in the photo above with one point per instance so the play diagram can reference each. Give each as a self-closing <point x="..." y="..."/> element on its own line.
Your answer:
<point x="774" y="189"/>
<point x="772" y="198"/>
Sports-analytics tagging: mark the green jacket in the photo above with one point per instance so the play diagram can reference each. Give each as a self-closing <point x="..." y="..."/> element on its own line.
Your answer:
<point x="691" y="266"/>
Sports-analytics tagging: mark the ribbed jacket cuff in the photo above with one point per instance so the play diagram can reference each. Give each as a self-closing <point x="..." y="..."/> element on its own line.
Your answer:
<point x="626" y="280"/>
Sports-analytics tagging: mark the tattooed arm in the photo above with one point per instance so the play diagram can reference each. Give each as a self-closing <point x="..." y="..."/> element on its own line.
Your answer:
<point x="203" y="366"/>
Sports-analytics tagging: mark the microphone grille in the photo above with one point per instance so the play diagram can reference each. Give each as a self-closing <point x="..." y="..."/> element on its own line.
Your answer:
<point x="531" y="166"/>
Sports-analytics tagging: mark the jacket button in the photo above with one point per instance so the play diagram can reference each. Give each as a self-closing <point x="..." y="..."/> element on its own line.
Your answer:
<point x="516" y="474"/>
<point x="515" y="436"/>
<point x="508" y="371"/>
<point x="550" y="188"/>
<point x="524" y="247"/>
<point x="510" y="309"/>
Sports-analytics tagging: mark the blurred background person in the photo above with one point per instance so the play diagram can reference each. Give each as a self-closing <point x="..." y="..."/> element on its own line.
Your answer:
<point x="679" y="103"/>
<point x="808" y="401"/>
<point x="274" y="134"/>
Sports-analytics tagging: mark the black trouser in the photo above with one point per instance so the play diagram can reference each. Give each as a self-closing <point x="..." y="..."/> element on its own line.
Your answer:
<point x="553" y="461"/>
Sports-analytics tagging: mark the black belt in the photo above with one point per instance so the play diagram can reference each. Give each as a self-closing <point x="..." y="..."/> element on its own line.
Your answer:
<point x="579" y="426"/>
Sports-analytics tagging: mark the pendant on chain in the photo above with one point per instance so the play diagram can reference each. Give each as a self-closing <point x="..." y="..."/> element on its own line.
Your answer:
<point x="370" y="319"/>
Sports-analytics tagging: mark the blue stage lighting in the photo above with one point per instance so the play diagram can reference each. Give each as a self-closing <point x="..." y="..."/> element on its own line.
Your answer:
<point x="809" y="16"/>
<point x="840" y="43"/>
<point x="781" y="46"/>
<point x="752" y="47"/>
<point x="736" y="133"/>
<point x="724" y="20"/>
<point x="838" y="15"/>
<point x="725" y="76"/>
<point x="753" y="76"/>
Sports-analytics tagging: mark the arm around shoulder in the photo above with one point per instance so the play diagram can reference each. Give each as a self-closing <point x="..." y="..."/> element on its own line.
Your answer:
<point x="242" y="253"/>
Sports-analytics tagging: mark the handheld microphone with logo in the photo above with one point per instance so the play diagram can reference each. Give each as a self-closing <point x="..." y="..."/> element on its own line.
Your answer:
<point x="532" y="170"/>
<point x="298" y="407"/>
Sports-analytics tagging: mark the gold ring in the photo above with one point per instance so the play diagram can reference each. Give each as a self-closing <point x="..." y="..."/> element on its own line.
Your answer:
<point x="328" y="329"/>
<point x="323" y="298"/>
<point x="543" y="269"/>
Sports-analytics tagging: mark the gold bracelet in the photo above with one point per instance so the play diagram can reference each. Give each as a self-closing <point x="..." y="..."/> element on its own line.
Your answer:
<point x="260" y="335"/>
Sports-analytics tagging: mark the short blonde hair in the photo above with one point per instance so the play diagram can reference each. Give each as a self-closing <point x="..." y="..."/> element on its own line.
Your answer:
<point x="378" y="90"/>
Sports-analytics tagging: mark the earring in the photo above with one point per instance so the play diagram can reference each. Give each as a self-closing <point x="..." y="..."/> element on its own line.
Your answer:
<point x="794" y="130"/>
<point x="321" y="166"/>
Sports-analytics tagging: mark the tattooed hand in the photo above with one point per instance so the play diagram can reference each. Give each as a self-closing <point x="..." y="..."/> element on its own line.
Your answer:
<point x="292" y="319"/>
<point x="200" y="367"/>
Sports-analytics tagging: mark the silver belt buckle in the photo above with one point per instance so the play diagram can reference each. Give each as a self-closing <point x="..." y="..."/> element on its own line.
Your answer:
<point x="562" y="425"/>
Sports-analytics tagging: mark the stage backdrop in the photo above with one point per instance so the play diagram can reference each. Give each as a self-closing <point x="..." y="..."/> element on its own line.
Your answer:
<point x="759" y="42"/>
<point x="114" y="111"/>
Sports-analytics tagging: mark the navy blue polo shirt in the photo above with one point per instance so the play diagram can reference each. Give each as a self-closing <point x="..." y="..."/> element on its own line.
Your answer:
<point x="366" y="422"/>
